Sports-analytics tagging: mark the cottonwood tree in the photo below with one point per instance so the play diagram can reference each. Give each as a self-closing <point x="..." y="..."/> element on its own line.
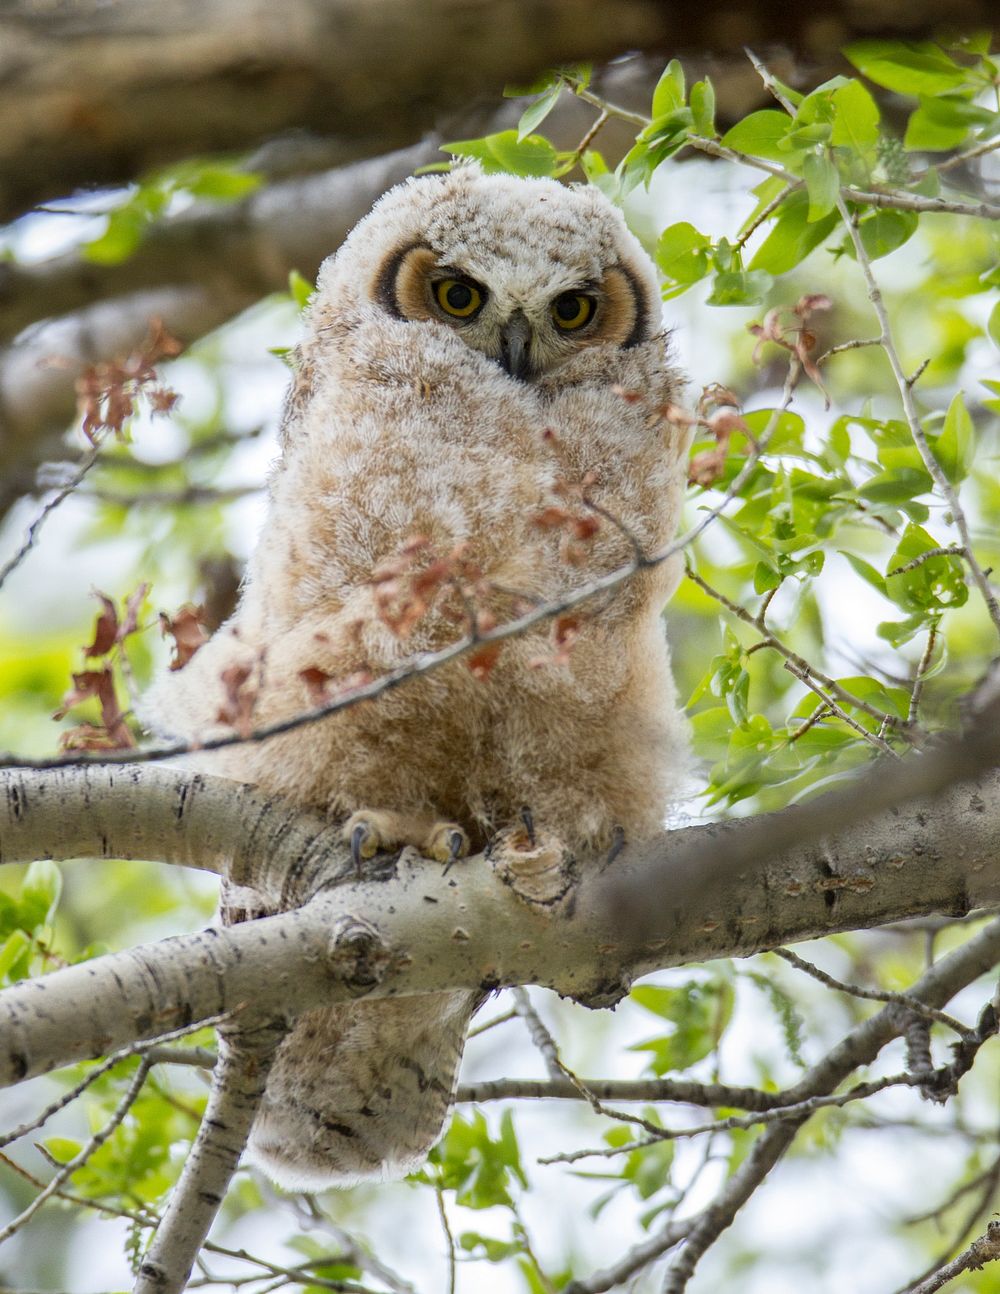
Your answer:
<point x="847" y="759"/>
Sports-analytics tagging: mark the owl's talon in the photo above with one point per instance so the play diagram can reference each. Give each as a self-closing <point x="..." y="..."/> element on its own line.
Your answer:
<point x="446" y="842"/>
<point x="358" y="837"/>
<point x="617" y="844"/>
<point x="528" y="818"/>
<point x="457" y="846"/>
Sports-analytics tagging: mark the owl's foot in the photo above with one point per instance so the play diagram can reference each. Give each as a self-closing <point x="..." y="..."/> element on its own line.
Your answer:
<point x="374" y="831"/>
<point x="446" y="842"/>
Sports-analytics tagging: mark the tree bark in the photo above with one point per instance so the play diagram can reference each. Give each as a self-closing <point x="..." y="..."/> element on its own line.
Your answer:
<point x="96" y="94"/>
<point x="412" y="929"/>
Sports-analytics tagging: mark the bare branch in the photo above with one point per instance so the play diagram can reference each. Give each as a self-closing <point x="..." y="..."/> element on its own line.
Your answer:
<point x="982" y="1251"/>
<point x="905" y="386"/>
<point x="872" y="994"/>
<point x="860" y="1047"/>
<point x="89" y="1148"/>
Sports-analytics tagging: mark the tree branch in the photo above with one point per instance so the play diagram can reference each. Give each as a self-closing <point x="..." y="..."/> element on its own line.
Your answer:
<point x="726" y="889"/>
<point x="238" y="1083"/>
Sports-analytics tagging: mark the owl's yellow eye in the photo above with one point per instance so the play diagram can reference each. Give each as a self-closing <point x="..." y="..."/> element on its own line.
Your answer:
<point x="572" y="310"/>
<point x="458" y="297"/>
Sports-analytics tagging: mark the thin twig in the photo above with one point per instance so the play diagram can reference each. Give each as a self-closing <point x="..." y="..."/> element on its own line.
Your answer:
<point x="931" y="465"/>
<point x="428" y="662"/>
<point x="970" y="153"/>
<point x="854" y="344"/>
<point x="491" y="1024"/>
<point x="770" y="84"/>
<point x="797" y="1110"/>
<point x="90" y="1147"/>
<point x="920" y="676"/>
<point x="800" y="663"/>
<point x="546" y="1044"/>
<point x="873" y="739"/>
<point x="915" y="202"/>
<point x="872" y="994"/>
<point x="449" y="1240"/>
<point x="152" y="1050"/>
<point x="982" y="1251"/>
<point x="763" y="214"/>
<point x="31" y="537"/>
<point x="952" y="550"/>
<point x="649" y="1090"/>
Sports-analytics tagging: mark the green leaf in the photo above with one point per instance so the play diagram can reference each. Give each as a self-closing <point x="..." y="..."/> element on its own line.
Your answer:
<point x="765" y="577"/>
<point x="866" y="571"/>
<point x="993" y="326"/>
<point x="505" y="152"/>
<point x="944" y="122"/>
<point x="884" y="230"/>
<point x="15" y="955"/>
<point x="669" y="92"/>
<point x="478" y="1167"/>
<point x="955" y="447"/>
<point x="898" y="632"/>
<point x="62" y="1149"/>
<point x="703" y="107"/>
<point x="699" y="1012"/>
<point x="682" y="253"/>
<point x="40" y="891"/>
<point x="793" y="236"/>
<point x="761" y="134"/>
<point x="740" y="288"/>
<point x="897" y="486"/>
<point x="934" y="585"/>
<point x="856" y="118"/>
<point x="299" y="289"/>
<point x="822" y="185"/>
<point x="216" y="181"/>
<point x="536" y="112"/>
<point x="905" y="66"/>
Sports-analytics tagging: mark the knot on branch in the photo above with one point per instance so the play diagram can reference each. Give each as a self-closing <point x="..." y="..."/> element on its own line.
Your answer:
<point x="357" y="954"/>
<point x="537" y="866"/>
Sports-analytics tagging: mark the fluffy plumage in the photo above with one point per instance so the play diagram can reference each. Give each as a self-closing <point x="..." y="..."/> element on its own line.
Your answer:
<point x="404" y="420"/>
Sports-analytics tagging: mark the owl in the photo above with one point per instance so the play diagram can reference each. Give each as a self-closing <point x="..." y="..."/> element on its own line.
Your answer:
<point x="477" y="424"/>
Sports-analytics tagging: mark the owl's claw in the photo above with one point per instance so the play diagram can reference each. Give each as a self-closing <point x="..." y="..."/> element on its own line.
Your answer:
<point x="457" y="846"/>
<point x="445" y="842"/>
<point x="362" y="845"/>
<point x="617" y="844"/>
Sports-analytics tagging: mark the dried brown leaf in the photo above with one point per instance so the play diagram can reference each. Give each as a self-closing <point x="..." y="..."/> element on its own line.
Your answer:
<point x="188" y="632"/>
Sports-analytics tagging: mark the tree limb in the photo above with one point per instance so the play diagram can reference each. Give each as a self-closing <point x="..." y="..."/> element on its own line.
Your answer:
<point x="238" y="1082"/>
<point x="710" y="891"/>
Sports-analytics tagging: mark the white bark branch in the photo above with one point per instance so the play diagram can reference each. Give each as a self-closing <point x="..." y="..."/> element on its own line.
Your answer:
<point x="703" y="892"/>
<point x="238" y="1083"/>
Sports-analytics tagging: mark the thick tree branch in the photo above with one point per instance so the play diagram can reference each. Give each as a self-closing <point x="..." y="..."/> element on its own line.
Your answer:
<point x="719" y="890"/>
<point x="238" y="1083"/>
<point x="97" y="94"/>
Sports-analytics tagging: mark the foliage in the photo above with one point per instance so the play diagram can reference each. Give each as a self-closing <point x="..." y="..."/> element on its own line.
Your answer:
<point x="832" y="612"/>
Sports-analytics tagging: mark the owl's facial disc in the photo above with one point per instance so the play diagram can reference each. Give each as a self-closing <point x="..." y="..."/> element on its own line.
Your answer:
<point x="527" y="327"/>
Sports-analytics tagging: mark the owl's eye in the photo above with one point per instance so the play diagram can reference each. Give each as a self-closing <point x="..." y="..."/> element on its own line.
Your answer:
<point x="572" y="310"/>
<point x="458" y="297"/>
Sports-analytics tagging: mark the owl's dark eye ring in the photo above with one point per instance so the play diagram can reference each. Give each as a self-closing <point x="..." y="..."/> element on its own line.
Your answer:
<point x="460" y="298"/>
<point x="571" y="310"/>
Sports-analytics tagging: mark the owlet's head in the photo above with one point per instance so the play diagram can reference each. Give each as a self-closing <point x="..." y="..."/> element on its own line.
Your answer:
<point x="525" y="271"/>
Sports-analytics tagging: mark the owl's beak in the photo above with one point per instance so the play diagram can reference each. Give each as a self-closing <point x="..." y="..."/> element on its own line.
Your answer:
<point x="515" y="345"/>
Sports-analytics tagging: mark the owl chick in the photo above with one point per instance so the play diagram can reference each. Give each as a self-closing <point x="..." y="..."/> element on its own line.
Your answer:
<point x="482" y="384"/>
